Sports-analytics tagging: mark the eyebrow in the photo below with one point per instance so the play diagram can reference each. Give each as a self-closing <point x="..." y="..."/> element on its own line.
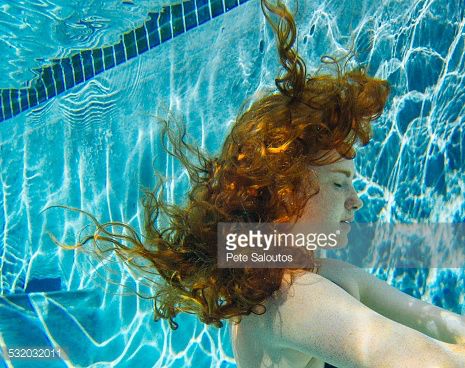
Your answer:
<point x="342" y="171"/>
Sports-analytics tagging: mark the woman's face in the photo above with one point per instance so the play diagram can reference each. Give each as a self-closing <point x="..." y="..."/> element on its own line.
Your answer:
<point x="337" y="200"/>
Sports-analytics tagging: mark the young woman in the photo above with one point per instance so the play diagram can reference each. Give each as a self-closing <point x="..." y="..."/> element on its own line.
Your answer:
<point x="287" y="159"/>
<point x="341" y="314"/>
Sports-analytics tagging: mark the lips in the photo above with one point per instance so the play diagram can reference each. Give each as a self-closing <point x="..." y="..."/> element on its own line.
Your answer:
<point x="345" y="226"/>
<point x="348" y="221"/>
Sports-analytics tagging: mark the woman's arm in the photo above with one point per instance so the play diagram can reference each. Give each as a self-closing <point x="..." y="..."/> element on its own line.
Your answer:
<point x="433" y="321"/>
<point x="378" y="295"/>
<point x="319" y="318"/>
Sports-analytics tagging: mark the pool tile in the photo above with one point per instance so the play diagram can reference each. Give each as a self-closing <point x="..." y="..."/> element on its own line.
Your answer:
<point x="68" y="72"/>
<point x="31" y="92"/>
<point x="151" y="23"/>
<point x="216" y="7"/>
<point x="97" y="57"/>
<point x="190" y="17"/>
<point x="58" y="77"/>
<point x="108" y="57"/>
<point x="177" y="20"/>
<point x="77" y="68"/>
<point x="152" y="30"/>
<point x="203" y="11"/>
<point x="41" y="92"/>
<point x="129" y="41"/>
<point x="23" y="102"/>
<point x="14" y="100"/>
<point x="6" y="104"/>
<point x="230" y="4"/>
<point x="86" y="57"/>
<point x="141" y="40"/>
<point x="49" y="82"/>
<point x="164" y="25"/>
<point x="120" y="56"/>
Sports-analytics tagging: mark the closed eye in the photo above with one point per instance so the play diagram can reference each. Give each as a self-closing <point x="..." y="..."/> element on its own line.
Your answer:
<point x="338" y="185"/>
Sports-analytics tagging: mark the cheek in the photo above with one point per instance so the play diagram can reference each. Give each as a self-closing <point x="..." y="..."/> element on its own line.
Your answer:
<point x="329" y="202"/>
<point x="324" y="196"/>
<point x="335" y="197"/>
<point x="318" y="206"/>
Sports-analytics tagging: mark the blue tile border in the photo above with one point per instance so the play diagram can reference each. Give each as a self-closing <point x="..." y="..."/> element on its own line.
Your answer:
<point x="64" y="74"/>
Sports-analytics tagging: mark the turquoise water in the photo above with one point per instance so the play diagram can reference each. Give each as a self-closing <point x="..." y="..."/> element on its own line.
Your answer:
<point x="95" y="146"/>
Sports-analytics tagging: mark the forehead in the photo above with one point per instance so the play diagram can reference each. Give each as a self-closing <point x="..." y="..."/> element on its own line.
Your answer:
<point x="342" y="166"/>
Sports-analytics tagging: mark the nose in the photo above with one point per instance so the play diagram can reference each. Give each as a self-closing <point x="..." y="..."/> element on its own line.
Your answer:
<point x="353" y="202"/>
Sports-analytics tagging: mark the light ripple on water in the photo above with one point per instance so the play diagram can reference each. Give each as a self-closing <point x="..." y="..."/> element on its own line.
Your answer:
<point x="89" y="107"/>
<point x="93" y="143"/>
<point x="34" y="32"/>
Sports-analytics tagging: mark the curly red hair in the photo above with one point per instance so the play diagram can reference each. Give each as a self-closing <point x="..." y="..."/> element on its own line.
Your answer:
<point x="261" y="175"/>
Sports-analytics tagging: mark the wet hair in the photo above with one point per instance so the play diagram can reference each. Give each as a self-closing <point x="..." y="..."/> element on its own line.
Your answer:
<point x="260" y="175"/>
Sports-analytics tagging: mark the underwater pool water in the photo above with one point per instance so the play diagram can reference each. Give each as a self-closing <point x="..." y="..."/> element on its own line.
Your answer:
<point x="81" y="131"/>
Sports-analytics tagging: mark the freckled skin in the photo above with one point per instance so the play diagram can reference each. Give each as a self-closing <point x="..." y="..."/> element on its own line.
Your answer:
<point x="335" y="201"/>
<point x="343" y="314"/>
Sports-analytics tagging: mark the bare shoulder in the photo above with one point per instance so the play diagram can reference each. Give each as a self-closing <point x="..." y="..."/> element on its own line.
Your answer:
<point x="316" y="316"/>
<point x="311" y="316"/>
<point x="327" y="284"/>
<point x="343" y="274"/>
<point x="288" y="297"/>
<point x="312" y="301"/>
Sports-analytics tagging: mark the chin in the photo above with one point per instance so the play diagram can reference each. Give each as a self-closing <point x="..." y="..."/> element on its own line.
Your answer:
<point x="343" y="241"/>
<point x="343" y="231"/>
